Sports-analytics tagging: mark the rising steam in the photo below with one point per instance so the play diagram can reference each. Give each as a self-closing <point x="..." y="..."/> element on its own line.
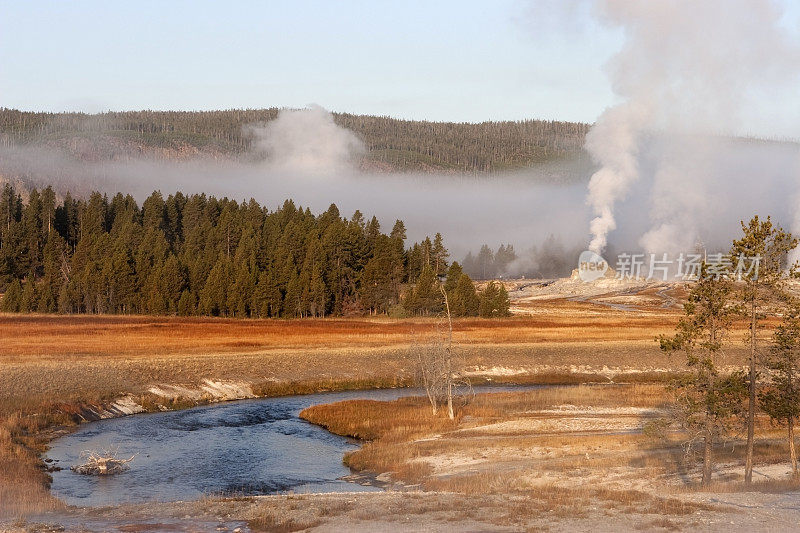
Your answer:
<point x="307" y="141"/>
<point x="685" y="73"/>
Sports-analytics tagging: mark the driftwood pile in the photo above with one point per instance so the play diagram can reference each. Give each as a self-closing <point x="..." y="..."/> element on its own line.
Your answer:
<point x="101" y="463"/>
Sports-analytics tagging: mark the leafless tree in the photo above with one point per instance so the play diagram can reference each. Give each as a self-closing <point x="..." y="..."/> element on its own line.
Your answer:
<point x="439" y="370"/>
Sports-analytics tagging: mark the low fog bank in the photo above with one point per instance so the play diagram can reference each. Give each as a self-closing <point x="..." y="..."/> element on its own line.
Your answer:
<point x="304" y="156"/>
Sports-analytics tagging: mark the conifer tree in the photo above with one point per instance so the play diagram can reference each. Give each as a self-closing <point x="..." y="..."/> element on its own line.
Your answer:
<point x="267" y="298"/>
<point x="172" y="280"/>
<point x="503" y="258"/>
<point x="494" y="301"/>
<point x="12" y="298"/>
<point x="240" y="296"/>
<point x="292" y="302"/>
<point x="484" y="263"/>
<point x="439" y="255"/>
<point x="453" y="276"/>
<point x="425" y="298"/>
<point x="199" y="254"/>
<point x="318" y="294"/>
<point x="768" y="245"/>
<point x="398" y="235"/>
<point x="464" y="299"/>
<point x="708" y="401"/>
<point x="28" y="301"/>
<point x="781" y="400"/>
<point x="214" y="295"/>
<point x="186" y="304"/>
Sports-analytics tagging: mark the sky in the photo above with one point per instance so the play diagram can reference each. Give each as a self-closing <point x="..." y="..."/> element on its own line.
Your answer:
<point x="462" y="60"/>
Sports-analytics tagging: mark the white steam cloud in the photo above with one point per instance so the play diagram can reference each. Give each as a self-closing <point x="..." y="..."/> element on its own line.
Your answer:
<point x="307" y="141"/>
<point x="686" y="72"/>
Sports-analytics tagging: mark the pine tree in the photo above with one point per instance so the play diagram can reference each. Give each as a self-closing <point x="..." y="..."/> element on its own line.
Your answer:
<point x="267" y="298"/>
<point x="30" y="253"/>
<point x="186" y="304"/>
<point x="93" y="217"/>
<point x="214" y="296"/>
<point x="217" y="256"/>
<point x="48" y="212"/>
<point x="68" y="298"/>
<point x="292" y="302"/>
<point x="464" y="299"/>
<point x="121" y="281"/>
<point x="56" y="272"/>
<point x="708" y="401"/>
<point x="425" y="298"/>
<point x="494" y="301"/>
<point x="12" y="298"/>
<point x="484" y="263"/>
<point x="453" y="276"/>
<point x="28" y="301"/>
<point x="469" y="265"/>
<point x="240" y="296"/>
<point x="318" y="295"/>
<point x="503" y="258"/>
<point x="154" y="212"/>
<point x="770" y="245"/>
<point x="398" y="235"/>
<point x="439" y="255"/>
<point x="172" y="281"/>
<point x="781" y="401"/>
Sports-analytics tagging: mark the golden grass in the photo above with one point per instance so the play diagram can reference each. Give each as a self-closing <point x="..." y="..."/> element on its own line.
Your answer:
<point x="562" y="470"/>
<point x="52" y="365"/>
<point x="395" y="429"/>
<point x="23" y="483"/>
<point x="23" y="337"/>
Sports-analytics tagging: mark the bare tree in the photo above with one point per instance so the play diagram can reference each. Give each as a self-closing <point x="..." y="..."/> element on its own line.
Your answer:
<point x="438" y="369"/>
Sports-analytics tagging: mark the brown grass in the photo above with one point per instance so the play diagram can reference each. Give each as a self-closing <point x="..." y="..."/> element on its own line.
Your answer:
<point x="563" y="471"/>
<point x="23" y="483"/>
<point x="55" y="336"/>
<point x="51" y="366"/>
<point x="396" y="430"/>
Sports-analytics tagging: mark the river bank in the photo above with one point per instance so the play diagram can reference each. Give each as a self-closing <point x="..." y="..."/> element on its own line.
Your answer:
<point x="563" y="458"/>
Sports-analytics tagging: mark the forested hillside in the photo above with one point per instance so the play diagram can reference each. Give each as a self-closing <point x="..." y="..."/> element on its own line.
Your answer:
<point x="393" y="144"/>
<point x="199" y="255"/>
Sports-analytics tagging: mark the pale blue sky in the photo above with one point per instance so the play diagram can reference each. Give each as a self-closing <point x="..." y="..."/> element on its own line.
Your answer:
<point x="458" y="60"/>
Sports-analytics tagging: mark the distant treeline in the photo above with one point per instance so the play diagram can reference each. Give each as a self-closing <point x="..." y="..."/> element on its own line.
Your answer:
<point x="199" y="255"/>
<point x="550" y="259"/>
<point x="488" y="264"/>
<point x="400" y="144"/>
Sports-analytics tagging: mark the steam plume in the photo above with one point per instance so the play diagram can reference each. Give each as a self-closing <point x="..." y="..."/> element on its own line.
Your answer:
<point x="307" y="141"/>
<point x="685" y="73"/>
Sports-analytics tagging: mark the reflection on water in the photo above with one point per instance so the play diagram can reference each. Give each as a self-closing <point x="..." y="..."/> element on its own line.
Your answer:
<point x="244" y="447"/>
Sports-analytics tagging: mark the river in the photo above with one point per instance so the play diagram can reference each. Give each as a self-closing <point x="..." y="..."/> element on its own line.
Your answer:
<point x="246" y="447"/>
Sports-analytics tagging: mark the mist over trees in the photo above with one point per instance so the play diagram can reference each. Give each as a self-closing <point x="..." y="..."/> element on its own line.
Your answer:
<point x="200" y="255"/>
<point x="393" y="144"/>
<point x="488" y="264"/>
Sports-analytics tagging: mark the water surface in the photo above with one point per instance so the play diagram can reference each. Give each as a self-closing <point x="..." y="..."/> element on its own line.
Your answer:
<point x="243" y="447"/>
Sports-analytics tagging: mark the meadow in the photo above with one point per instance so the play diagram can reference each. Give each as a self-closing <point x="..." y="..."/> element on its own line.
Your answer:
<point x="57" y="371"/>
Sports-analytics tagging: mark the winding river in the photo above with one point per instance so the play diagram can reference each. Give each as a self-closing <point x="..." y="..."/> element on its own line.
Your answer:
<point x="244" y="447"/>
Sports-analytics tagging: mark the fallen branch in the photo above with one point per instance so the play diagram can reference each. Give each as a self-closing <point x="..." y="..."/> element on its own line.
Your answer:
<point x="101" y="464"/>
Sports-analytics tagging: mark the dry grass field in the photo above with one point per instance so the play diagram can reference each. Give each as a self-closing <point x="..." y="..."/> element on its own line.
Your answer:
<point x="570" y="451"/>
<point x="66" y="358"/>
<point x="58" y="370"/>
